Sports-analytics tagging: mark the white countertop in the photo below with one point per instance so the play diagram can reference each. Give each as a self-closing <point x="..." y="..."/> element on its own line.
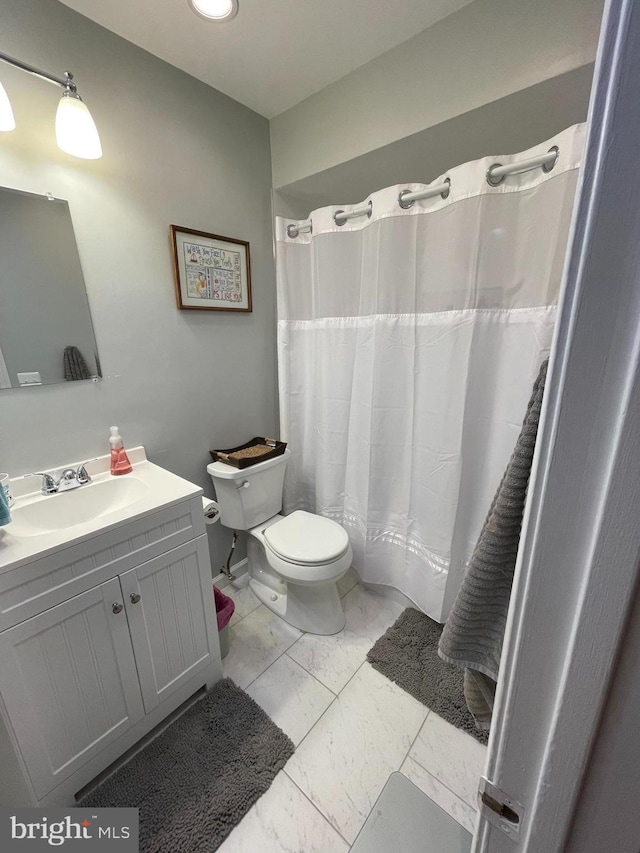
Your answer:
<point x="162" y="489"/>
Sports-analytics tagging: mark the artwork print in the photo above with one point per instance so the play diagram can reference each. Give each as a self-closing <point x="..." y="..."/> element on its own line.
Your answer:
<point x="211" y="272"/>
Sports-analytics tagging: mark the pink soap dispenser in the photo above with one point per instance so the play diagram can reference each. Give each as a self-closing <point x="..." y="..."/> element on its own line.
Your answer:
<point x="119" y="460"/>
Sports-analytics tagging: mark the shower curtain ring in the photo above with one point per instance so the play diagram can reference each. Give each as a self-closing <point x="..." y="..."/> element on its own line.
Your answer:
<point x="407" y="198"/>
<point x="494" y="182"/>
<point x="547" y="167"/>
<point x="344" y="217"/>
<point x="294" y="231"/>
<point x="405" y="205"/>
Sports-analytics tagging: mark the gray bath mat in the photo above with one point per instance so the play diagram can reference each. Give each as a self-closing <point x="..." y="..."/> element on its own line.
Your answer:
<point x="199" y="778"/>
<point x="408" y="655"/>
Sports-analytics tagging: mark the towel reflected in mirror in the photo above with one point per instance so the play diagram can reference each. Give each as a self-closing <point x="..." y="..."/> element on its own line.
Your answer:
<point x="74" y="364"/>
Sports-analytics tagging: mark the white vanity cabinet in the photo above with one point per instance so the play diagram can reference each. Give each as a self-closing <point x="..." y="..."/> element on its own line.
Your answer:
<point x="69" y="683"/>
<point x="83" y="679"/>
<point x="167" y="620"/>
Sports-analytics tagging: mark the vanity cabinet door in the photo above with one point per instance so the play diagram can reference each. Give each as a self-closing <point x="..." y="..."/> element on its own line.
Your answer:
<point x="172" y="619"/>
<point x="69" y="684"/>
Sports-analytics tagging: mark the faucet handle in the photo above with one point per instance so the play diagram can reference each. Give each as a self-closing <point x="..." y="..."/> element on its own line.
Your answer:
<point x="82" y="475"/>
<point x="49" y="486"/>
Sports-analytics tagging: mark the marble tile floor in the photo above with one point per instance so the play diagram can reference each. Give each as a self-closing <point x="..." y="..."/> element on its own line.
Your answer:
<point x="352" y="728"/>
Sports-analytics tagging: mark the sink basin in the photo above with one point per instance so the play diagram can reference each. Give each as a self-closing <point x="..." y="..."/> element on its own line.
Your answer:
<point x="43" y="524"/>
<point x="48" y="513"/>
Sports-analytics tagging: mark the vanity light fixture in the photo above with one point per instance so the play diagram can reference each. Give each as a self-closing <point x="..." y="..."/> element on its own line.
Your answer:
<point x="7" y="121"/>
<point x="76" y="133"/>
<point x="215" y="10"/>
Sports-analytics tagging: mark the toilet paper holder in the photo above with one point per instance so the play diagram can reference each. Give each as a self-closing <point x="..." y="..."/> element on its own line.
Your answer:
<point x="210" y="510"/>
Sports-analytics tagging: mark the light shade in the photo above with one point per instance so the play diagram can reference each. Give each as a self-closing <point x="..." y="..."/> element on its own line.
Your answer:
<point x="76" y="132"/>
<point x="7" y="121"/>
<point x="215" y="10"/>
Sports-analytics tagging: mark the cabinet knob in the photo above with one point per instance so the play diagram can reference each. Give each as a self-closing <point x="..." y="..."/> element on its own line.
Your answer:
<point x="116" y="607"/>
<point x="135" y="598"/>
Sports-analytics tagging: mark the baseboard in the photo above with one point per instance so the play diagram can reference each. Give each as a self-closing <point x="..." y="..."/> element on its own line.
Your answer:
<point x="237" y="569"/>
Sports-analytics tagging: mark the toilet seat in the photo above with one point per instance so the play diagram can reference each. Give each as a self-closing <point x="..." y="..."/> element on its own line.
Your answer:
<point x="304" y="548"/>
<point x="306" y="539"/>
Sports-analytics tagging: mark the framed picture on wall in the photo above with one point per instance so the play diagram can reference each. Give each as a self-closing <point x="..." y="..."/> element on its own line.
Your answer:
<point x="212" y="273"/>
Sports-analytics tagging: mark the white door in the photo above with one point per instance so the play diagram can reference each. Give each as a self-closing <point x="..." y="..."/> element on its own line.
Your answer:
<point x="171" y="614"/>
<point x="69" y="684"/>
<point x="568" y="654"/>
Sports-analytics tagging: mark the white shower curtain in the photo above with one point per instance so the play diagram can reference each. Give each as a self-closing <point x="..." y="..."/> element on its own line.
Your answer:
<point x="408" y="343"/>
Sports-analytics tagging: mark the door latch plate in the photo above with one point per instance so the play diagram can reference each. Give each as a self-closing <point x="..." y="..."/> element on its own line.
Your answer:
<point x="500" y="809"/>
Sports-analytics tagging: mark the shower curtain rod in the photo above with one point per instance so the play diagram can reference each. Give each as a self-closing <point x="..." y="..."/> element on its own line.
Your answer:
<point x="496" y="173"/>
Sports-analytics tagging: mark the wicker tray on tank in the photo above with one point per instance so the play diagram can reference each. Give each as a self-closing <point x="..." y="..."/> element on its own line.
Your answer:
<point x="259" y="449"/>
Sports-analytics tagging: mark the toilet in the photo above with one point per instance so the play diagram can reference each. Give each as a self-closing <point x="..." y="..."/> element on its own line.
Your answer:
<point x="294" y="561"/>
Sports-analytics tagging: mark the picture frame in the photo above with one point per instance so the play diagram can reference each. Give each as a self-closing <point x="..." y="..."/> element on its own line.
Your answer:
<point x="212" y="273"/>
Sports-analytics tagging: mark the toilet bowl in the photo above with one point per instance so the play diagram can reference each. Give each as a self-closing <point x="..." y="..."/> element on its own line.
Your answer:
<point x="294" y="561"/>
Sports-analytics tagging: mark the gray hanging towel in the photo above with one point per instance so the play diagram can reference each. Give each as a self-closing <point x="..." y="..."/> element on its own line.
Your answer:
<point x="75" y="367"/>
<point x="473" y="635"/>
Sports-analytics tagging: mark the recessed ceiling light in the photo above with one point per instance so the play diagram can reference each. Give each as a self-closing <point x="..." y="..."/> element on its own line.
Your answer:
<point x="215" y="10"/>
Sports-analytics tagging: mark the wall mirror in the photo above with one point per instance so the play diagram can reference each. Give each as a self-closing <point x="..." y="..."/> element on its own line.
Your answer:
<point x="46" y="333"/>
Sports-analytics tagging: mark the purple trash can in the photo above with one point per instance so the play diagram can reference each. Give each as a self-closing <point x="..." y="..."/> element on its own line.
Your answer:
<point x="224" y="611"/>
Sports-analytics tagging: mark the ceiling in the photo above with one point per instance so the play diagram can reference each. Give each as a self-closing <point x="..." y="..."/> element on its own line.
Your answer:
<point x="275" y="53"/>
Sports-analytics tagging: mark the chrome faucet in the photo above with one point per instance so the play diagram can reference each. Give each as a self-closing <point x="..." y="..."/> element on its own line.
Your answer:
<point x="63" y="481"/>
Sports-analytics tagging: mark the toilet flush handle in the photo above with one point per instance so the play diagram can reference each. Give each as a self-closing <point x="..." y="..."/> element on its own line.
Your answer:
<point x="244" y="484"/>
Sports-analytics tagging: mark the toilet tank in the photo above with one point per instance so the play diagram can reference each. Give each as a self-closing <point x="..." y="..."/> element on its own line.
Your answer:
<point x="249" y="496"/>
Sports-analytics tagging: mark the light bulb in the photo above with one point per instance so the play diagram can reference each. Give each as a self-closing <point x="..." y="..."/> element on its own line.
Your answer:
<point x="215" y="10"/>
<point x="7" y="121"/>
<point x="76" y="132"/>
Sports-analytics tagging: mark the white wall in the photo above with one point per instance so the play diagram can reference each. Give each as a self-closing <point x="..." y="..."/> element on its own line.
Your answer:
<point x="506" y="126"/>
<point x="611" y="776"/>
<point x="488" y="50"/>
<point x="289" y="207"/>
<point x="175" y="151"/>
